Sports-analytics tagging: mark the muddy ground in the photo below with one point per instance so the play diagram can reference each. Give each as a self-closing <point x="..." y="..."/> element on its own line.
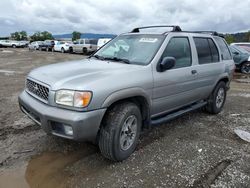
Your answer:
<point x="195" y="150"/>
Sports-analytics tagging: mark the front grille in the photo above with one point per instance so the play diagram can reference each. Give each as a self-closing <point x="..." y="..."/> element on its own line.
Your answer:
<point x="37" y="89"/>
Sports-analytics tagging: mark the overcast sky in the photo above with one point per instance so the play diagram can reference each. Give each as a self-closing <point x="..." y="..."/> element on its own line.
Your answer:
<point x="117" y="16"/>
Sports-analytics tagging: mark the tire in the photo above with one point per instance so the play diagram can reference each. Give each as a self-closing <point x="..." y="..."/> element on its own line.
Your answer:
<point x="84" y="51"/>
<point x="13" y="46"/>
<point x="116" y="140"/>
<point x="71" y="50"/>
<point x="217" y="99"/>
<point x="62" y="50"/>
<point x="245" y="68"/>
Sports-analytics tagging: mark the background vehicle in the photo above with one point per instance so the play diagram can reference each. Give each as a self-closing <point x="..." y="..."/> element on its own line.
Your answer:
<point x="85" y="46"/>
<point x="11" y="43"/>
<point x="244" y="45"/>
<point x="102" y="41"/>
<point x="121" y="90"/>
<point x="241" y="58"/>
<point x="62" y="46"/>
<point x="47" y="45"/>
<point x="34" y="45"/>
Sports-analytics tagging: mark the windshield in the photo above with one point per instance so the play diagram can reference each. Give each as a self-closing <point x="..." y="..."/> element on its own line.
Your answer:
<point x="135" y="49"/>
<point x="240" y="49"/>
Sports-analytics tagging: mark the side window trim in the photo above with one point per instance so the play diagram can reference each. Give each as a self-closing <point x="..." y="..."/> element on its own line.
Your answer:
<point x="190" y="48"/>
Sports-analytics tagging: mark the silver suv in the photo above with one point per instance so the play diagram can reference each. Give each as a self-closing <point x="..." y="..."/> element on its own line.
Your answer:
<point x="134" y="82"/>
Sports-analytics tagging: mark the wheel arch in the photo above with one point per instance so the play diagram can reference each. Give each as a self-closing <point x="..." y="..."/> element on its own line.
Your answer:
<point x="135" y="95"/>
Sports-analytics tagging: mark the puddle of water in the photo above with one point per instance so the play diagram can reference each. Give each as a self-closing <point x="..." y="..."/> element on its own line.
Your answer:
<point x="13" y="178"/>
<point x="46" y="170"/>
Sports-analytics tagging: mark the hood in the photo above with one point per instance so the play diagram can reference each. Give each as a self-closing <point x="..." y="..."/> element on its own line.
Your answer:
<point x="75" y="74"/>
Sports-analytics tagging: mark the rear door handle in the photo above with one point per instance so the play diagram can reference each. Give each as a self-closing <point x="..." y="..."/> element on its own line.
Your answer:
<point x="194" y="71"/>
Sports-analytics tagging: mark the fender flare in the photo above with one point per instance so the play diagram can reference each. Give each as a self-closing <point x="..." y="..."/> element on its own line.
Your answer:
<point x="125" y="93"/>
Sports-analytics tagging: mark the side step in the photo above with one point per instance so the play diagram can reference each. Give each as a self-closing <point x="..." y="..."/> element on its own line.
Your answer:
<point x="175" y="114"/>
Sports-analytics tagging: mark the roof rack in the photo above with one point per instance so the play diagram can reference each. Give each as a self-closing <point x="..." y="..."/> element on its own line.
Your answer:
<point x="215" y="33"/>
<point x="176" y="28"/>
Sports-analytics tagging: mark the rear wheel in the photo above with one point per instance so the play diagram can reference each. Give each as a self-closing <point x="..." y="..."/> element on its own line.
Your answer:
<point x="245" y="68"/>
<point x="120" y="131"/>
<point x="13" y="46"/>
<point x="62" y="50"/>
<point x="217" y="99"/>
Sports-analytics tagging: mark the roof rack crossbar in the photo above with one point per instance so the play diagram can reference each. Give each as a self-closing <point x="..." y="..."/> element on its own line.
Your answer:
<point x="176" y="28"/>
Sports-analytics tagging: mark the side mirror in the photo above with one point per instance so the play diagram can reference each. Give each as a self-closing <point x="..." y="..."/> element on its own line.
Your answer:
<point x="166" y="64"/>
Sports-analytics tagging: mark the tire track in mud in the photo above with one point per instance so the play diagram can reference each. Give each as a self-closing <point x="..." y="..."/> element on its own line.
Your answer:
<point x="207" y="179"/>
<point x="4" y="132"/>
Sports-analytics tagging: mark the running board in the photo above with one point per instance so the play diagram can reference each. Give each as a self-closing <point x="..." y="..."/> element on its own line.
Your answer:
<point x="171" y="116"/>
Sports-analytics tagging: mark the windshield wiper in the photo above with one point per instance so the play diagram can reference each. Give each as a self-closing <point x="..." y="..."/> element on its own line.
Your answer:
<point x="97" y="57"/>
<point x="118" y="59"/>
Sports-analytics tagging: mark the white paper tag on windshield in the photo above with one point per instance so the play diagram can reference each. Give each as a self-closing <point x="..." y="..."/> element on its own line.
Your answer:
<point x="148" y="40"/>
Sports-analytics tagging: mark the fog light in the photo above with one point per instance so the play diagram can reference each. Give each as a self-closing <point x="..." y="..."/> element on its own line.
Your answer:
<point x="68" y="130"/>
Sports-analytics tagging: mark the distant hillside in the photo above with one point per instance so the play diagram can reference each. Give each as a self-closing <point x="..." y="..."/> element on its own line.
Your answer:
<point x="238" y="37"/>
<point x="85" y="35"/>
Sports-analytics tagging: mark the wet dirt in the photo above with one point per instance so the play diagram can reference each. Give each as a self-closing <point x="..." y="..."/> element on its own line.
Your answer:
<point x="189" y="151"/>
<point x="241" y="78"/>
<point x="45" y="170"/>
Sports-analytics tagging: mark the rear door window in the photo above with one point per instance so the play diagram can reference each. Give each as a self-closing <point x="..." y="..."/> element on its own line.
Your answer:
<point x="206" y="50"/>
<point x="214" y="51"/>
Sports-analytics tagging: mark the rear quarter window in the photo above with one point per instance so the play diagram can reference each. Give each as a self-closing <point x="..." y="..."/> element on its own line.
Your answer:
<point x="225" y="52"/>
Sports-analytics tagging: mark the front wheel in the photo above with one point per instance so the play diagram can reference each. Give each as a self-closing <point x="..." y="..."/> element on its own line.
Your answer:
<point x="217" y="99"/>
<point x="245" y="68"/>
<point x="120" y="131"/>
<point x="84" y="51"/>
<point x="62" y="50"/>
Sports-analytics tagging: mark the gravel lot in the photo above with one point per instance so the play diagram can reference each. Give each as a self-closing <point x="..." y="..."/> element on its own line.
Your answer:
<point x="195" y="150"/>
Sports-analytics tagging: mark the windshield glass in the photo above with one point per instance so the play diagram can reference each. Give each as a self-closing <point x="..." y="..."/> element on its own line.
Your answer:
<point x="136" y="49"/>
<point x="240" y="49"/>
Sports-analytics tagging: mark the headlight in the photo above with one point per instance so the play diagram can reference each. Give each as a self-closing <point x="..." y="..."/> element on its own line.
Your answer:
<point x="73" y="98"/>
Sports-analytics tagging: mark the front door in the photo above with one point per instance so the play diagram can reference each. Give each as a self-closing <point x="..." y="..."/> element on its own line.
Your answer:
<point x="175" y="88"/>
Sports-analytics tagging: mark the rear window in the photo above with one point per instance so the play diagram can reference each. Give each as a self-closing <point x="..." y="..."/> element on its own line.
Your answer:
<point x="207" y="50"/>
<point x="225" y="52"/>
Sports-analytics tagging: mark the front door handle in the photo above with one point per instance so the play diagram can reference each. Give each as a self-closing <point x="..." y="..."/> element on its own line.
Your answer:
<point x="194" y="71"/>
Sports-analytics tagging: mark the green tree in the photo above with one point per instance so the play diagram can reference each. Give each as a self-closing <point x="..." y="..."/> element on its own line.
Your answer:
<point x="76" y="35"/>
<point x="22" y="35"/>
<point x="41" y="36"/>
<point x="229" y="38"/>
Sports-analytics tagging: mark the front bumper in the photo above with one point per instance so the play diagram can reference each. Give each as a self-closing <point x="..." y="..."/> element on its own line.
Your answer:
<point x="85" y="125"/>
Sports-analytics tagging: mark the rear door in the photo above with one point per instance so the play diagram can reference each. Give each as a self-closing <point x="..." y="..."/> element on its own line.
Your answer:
<point x="209" y="66"/>
<point x="174" y="88"/>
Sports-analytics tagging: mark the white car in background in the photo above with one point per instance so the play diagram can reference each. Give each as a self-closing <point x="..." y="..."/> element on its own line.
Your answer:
<point x="62" y="46"/>
<point x="102" y="41"/>
<point x="11" y="43"/>
<point x="34" y="45"/>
